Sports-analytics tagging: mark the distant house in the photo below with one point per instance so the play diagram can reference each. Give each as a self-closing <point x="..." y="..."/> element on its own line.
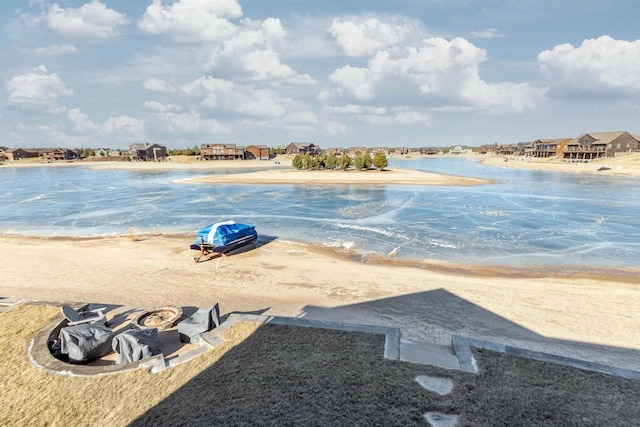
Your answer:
<point x="58" y="154"/>
<point x="13" y="154"/>
<point x="146" y="152"/>
<point x="596" y="145"/>
<point x="354" y="151"/>
<point x="336" y="151"/>
<point x="484" y="149"/>
<point x="460" y="149"/>
<point x="220" y="152"/>
<point x="385" y="150"/>
<point x="523" y="148"/>
<point x="429" y="151"/>
<point x="549" y="147"/>
<point x="402" y="150"/>
<point x="506" y="149"/>
<point x="257" y="152"/>
<point x="515" y="149"/>
<point x="301" y="148"/>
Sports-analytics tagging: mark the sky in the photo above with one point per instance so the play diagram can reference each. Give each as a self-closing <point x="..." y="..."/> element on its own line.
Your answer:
<point x="415" y="73"/>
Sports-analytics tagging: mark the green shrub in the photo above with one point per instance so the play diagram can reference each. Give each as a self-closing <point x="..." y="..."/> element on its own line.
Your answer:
<point x="331" y="161"/>
<point x="380" y="160"/>
<point x="345" y="162"/>
<point x="297" y="161"/>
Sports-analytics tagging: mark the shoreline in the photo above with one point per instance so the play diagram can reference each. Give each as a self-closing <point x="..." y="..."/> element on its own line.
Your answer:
<point x="578" y="316"/>
<point x="294" y="176"/>
<point x="178" y="164"/>
<point x="628" y="165"/>
<point x="367" y="258"/>
<point x="282" y="173"/>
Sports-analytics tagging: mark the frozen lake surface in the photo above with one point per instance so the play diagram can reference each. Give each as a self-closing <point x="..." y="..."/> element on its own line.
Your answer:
<point x="527" y="218"/>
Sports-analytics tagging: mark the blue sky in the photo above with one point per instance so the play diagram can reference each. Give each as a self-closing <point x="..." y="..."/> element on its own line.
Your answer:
<point x="377" y="73"/>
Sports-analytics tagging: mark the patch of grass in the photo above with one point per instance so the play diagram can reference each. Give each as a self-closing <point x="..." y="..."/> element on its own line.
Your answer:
<point x="511" y="391"/>
<point x="34" y="397"/>
<point x="282" y="375"/>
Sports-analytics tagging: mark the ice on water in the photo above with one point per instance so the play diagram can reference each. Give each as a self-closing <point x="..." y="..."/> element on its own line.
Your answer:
<point x="526" y="218"/>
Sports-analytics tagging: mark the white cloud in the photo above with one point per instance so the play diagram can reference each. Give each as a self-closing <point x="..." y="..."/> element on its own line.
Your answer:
<point x="192" y="20"/>
<point x="301" y="124"/>
<point x="324" y="96"/>
<point x="208" y="89"/>
<point x="411" y="117"/>
<point x="190" y="122"/>
<point x="308" y="117"/>
<point x="161" y="108"/>
<point x="399" y="119"/>
<point x="308" y="38"/>
<point x="55" y="50"/>
<point x="602" y="65"/>
<point x="354" y="80"/>
<point x="252" y="54"/>
<point x="438" y="72"/>
<point x="230" y="97"/>
<point x="366" y="37"/>
<point x="272" y="29"/>
<point x="265" y="65"/>
<point x="37" y="90"/>
<point x="80" y="121"/>
<point x="245" y="51"/>
<point x="487" y="33"/>
<point x="256" y="103"/>
<point x="124" y="124"/>
<point x="359" y="109"/>
<point x="117" y="126"/>
<point x="334" y="127"/>
<point x="64" y="140"/>
<point x="158" y="85"/>
<point x="93" y="20"/>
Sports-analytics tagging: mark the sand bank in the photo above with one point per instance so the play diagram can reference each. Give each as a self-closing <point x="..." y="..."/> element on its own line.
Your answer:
<point x="293" y="176"/>
<point x="588" y="318"/>
<point x="174" y="162"/>
<point x="623" y="165"/>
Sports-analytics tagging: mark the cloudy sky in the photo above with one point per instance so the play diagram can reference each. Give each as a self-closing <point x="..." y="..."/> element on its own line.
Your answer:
<point x="108" y="73"/>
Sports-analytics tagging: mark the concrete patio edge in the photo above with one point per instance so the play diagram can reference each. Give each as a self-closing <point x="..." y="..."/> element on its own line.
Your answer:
<point x="392" y="334"/>
<point x="462" y="348"/>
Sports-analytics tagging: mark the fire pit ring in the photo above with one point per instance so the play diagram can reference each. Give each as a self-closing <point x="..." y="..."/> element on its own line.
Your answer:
<point x="161" y="317"/>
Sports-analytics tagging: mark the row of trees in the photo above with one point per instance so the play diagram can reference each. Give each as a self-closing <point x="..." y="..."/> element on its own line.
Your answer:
<point x="191" y="151"/>
<point x="362" y="161"/>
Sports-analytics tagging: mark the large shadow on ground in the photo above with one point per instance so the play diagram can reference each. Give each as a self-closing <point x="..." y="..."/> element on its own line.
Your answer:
<point x="426" y="314"/>
<point x="437" y="315"/>
<point x="283" y="375"/>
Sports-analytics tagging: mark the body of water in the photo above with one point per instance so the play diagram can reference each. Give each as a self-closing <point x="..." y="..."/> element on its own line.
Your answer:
<point x="527" y="218"/>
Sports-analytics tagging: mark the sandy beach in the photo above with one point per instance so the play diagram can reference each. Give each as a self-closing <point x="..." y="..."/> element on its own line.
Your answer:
<point x="584" y="317"/>
<point x="622" y="165"/>
<point x="293" y="176"/>
<point x="174" y="162"/>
